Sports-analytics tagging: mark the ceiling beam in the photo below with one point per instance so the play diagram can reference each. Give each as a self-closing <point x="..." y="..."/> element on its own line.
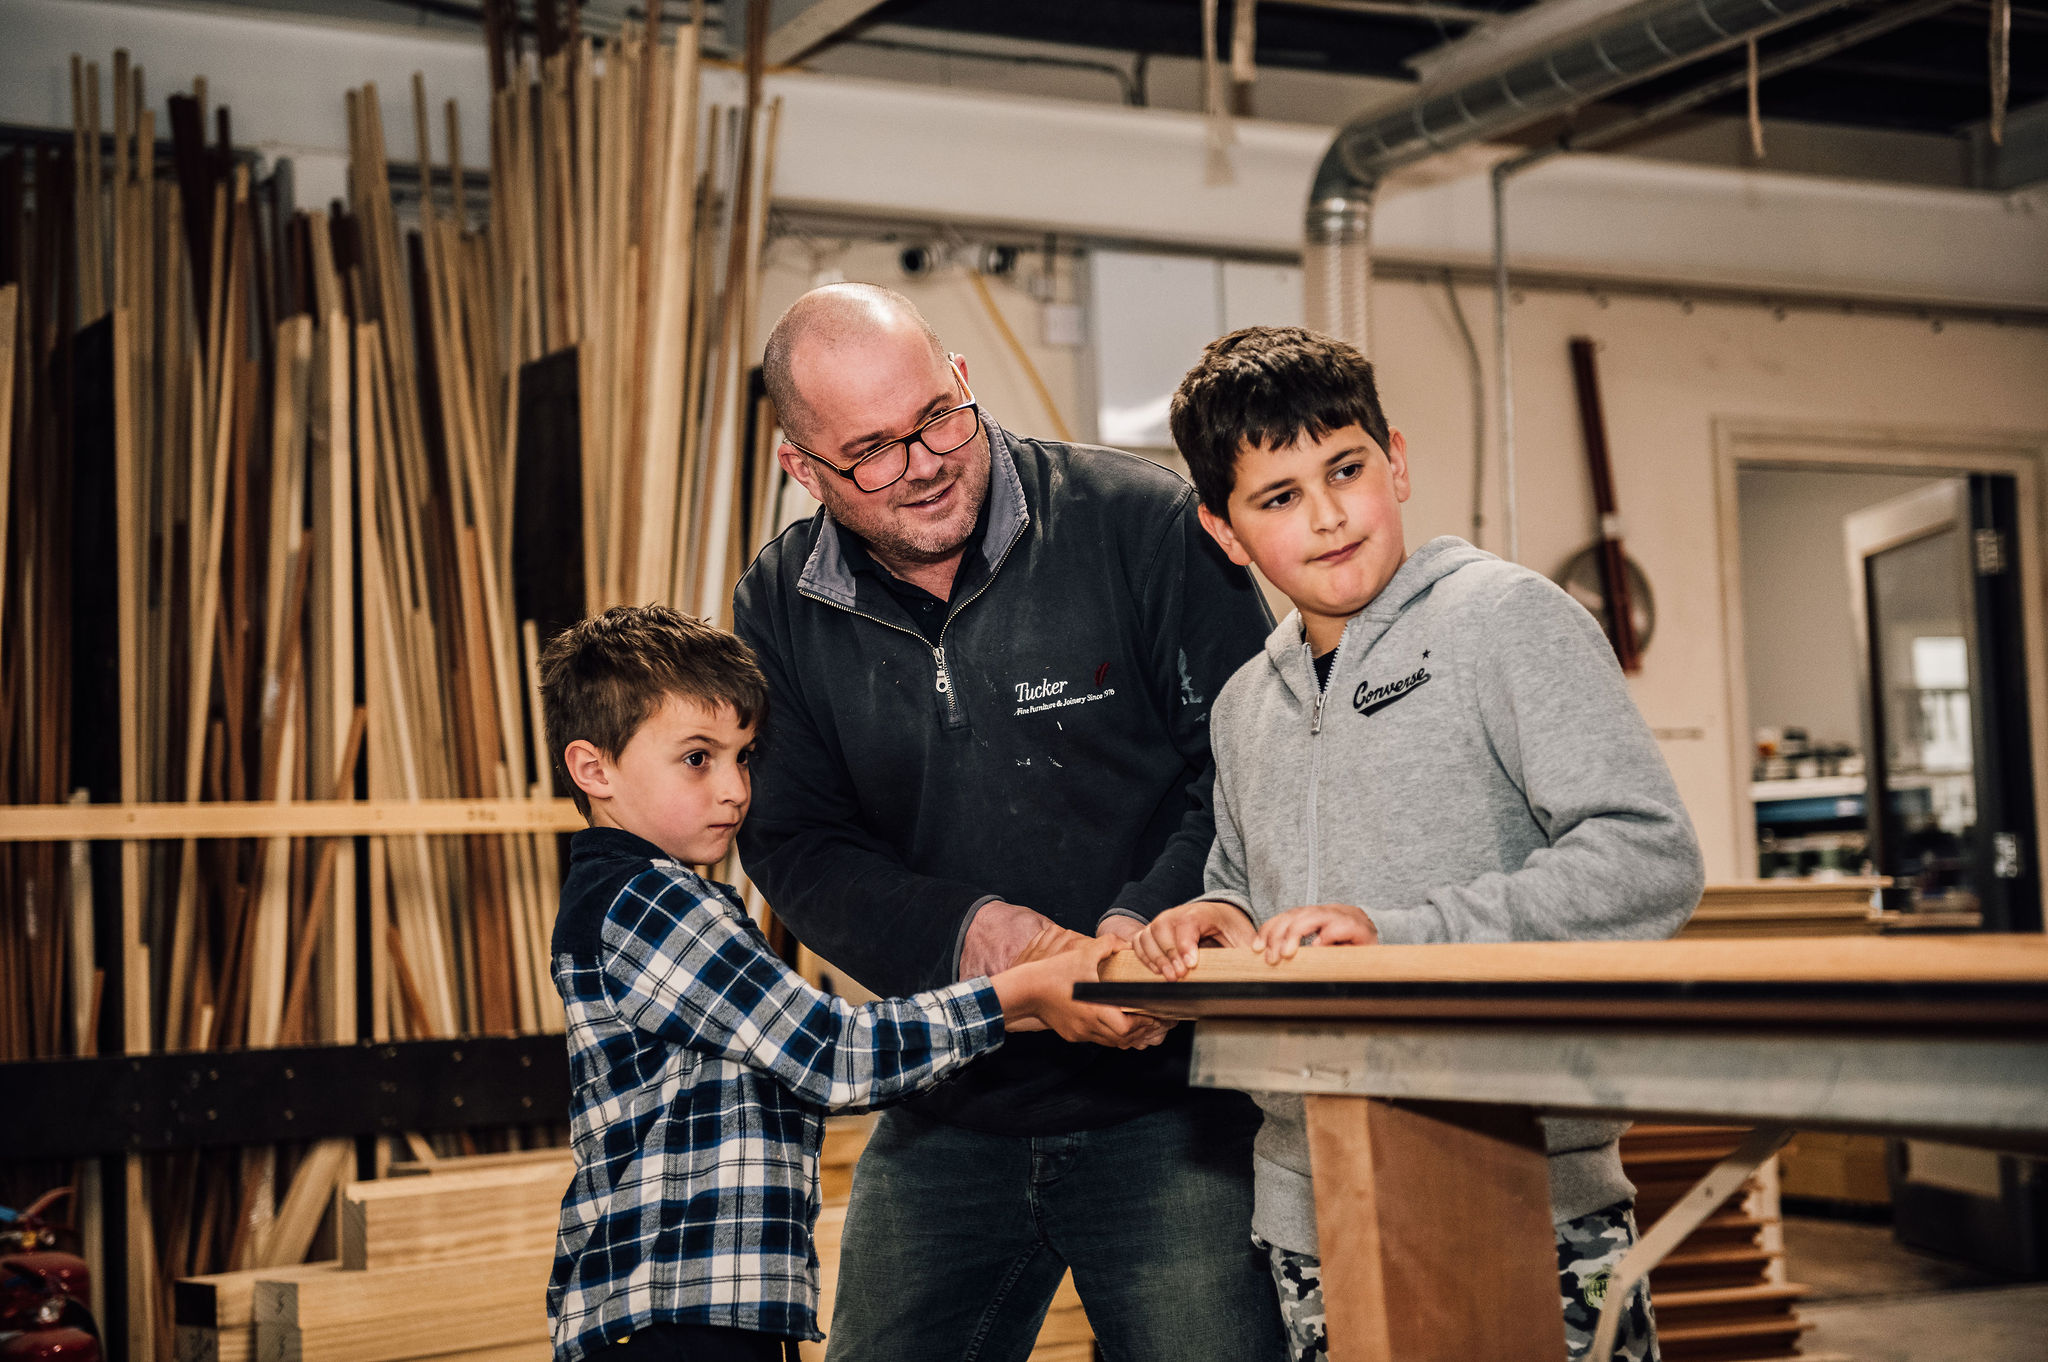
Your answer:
<point x="812" y="25"/>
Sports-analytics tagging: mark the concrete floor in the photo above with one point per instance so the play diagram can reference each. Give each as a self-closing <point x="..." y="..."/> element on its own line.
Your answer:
<point x="1875" y="1300"/>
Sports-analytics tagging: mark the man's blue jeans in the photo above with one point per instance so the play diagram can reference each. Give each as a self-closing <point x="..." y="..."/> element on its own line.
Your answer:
<point x="955" y="1240"/>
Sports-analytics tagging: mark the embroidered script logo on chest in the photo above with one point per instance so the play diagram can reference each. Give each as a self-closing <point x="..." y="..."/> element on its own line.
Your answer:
<point x="1040" y="690"/>
<point x="1370" y="699"/>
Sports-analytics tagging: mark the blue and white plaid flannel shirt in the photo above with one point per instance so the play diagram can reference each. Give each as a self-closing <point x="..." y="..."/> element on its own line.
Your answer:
<point x="702" y="1068"/>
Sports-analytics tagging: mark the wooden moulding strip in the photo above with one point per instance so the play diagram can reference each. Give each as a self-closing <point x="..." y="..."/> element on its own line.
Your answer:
<point x="449" y="1217"/>
<point x="667" y="325"/>
<point x="391" y="1314"/>
<point x="10" y="301"/>
<point x="306" y="1203"/>
<point x="1971" y="959"/>
<point x="309" y="818"/>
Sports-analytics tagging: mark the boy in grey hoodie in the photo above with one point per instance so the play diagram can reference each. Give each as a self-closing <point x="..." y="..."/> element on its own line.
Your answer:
<point x="1435" y="746"/>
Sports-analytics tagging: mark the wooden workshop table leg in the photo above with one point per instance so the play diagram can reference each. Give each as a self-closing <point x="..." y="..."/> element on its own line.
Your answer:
<point x="1434" y="1225"/>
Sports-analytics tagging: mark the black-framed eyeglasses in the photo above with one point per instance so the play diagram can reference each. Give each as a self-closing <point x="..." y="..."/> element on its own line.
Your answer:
<point x="885" y="465"/>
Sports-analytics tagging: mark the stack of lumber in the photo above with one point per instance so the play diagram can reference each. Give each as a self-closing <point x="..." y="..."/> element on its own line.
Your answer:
<point x="1065" y="1335"/>
<point x="1722" y="1295"/>
<point x="448" y="1261"/>
<point x="1838" y="907"/>
<point x="452" y="1264"/>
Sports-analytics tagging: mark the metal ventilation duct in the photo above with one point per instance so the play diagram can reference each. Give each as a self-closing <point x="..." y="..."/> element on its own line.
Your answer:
<point x="1548" y="82"/>
<point x="1555" y="56"/>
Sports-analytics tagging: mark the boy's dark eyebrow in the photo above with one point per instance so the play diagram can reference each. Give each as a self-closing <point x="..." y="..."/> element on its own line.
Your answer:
<point x="1349" y="451"/>
<point x="1269" y="488"/>
<point x="923" y="412"/>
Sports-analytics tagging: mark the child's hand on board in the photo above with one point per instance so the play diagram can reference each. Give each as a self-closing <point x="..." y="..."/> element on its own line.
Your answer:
<point x="1331" y="924"/>
<point x="1169" y="943"/>
<point x="1037" y="993"/>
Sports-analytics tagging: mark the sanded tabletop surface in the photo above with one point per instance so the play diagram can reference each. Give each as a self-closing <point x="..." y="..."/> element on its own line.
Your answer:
<point x="1967" y="981"/>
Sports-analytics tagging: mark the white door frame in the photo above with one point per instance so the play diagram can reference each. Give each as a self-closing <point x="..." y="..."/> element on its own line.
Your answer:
<point x="1743" y="442"/>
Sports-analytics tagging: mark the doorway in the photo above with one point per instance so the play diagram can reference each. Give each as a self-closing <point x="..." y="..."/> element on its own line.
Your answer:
<point x="1799" y="674"/>
<point x="1950" y="784"/>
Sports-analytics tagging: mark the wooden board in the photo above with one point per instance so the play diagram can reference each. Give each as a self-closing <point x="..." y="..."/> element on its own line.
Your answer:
<point x="213" y="1315"/>
<point x="1974" y="982"/>
<point x="192" y="1344"/>
<point x="306" y="818"/>
<point x="393" y="1314"/>
<point x="226" y="1300"/>
<point x="1983" y="958"/>
<point x="1423" y="1210"/>
<point x="413" y="1221"/>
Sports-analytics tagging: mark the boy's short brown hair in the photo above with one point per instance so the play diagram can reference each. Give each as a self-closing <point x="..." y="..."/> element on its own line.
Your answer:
<point x="1265" y="387"/>
<point x="604" y="677"/>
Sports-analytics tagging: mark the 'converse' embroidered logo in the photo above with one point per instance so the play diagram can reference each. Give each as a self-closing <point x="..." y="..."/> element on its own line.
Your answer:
<point x="1371" y="699"/>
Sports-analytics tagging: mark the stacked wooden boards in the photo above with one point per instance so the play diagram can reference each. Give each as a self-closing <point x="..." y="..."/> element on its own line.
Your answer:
<point x="448" y="1265"/>
<point x="1722" y="1295"/>
<point x="1064" y="1337"/>
<point x="1757" y="908"/>
<point x="448" y="1260"/>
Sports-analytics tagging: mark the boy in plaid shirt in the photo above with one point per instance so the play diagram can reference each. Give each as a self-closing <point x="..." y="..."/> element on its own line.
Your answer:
<point x="702" y="1065"/>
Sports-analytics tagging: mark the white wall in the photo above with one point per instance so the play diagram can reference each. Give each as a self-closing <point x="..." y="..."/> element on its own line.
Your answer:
<point x="1799" y="638"/>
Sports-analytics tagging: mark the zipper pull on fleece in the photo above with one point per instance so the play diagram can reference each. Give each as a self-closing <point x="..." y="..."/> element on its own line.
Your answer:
<point x="944" y="683"/>
<point x="1315" y="721"/>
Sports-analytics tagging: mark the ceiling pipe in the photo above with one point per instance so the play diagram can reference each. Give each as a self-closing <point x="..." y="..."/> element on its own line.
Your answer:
<point x="1551" y="59"/>
<point x="1543" y="81"/>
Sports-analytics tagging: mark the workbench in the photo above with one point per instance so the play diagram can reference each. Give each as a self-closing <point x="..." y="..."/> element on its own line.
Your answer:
<point x="1426" y="1068"/>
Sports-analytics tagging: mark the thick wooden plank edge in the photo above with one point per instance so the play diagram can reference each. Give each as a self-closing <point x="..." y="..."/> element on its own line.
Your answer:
<point x="1976" y="958"/>
<point x="2005" y="1007"/>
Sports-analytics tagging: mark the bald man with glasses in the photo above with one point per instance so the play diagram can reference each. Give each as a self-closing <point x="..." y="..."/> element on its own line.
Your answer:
<point x="991" y="661"/>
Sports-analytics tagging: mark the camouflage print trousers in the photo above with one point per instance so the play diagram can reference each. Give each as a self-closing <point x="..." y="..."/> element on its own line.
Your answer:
<point x="1587" y="1250"/>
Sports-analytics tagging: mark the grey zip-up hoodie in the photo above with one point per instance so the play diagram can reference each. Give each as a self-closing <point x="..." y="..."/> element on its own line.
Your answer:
<point x="1474" y="771"/>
